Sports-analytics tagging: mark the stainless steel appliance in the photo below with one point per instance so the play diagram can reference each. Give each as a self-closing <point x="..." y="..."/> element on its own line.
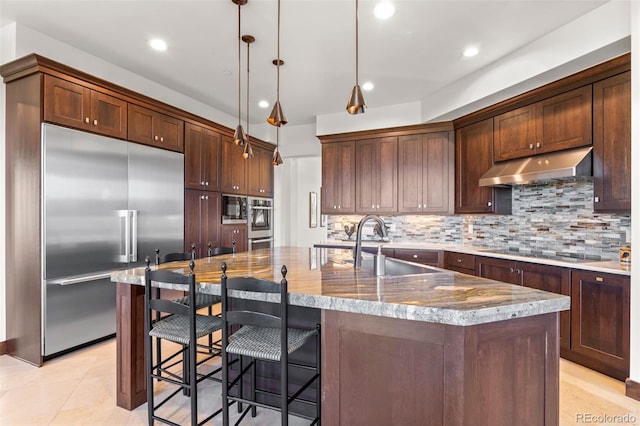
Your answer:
<point x="234" y="209"/>
<point x="260" y="232"/>
<point x="106" y="205"/>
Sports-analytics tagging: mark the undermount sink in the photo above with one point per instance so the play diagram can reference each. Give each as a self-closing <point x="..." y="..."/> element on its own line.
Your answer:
<point x="395" y="268"/>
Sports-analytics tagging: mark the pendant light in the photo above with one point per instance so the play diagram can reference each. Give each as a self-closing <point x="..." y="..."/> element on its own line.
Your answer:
<point x="239" y="136"/>
<point x="356" y="102"/>
<point x="276" y="160"/>
<point x="277" y="117"/>
<point x="247" y="153"/>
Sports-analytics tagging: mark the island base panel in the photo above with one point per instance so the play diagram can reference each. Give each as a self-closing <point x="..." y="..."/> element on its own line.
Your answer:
<point x="380" y="370"/>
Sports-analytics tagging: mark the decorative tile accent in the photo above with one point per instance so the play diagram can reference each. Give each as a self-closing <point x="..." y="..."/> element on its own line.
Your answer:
<point x="553" y="218"/>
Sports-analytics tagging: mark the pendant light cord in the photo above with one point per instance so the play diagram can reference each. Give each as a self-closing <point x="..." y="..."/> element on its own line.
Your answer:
<point x="357" y="42"/>
<point x="278" y="70"/>
<point x="239" y="77"/>
<point x="248" y="45"/>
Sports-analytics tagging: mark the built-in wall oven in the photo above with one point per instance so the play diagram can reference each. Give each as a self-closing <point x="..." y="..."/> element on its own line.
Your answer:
<point x="260" y="215"/>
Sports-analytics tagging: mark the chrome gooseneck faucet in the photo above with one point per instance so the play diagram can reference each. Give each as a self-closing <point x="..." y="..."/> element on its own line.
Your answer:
<point x="357" y="252"/>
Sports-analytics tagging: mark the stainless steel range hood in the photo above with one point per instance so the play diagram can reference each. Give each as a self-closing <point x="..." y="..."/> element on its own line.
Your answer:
<point x="561" y="164"/>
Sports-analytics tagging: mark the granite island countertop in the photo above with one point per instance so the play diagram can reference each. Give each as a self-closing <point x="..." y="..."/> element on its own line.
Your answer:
<point x="325" y="278"/>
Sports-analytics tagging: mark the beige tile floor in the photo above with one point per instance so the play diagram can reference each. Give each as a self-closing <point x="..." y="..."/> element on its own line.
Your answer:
<point x="79" y="389"/>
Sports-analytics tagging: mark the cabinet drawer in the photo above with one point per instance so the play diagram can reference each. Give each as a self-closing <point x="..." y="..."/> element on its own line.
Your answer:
<point x="425" y="257"/>
<point x="453" y="260"/>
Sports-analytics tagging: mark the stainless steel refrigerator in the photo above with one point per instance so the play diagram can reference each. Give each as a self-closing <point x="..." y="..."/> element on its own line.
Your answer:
<point x="106" y="205"/>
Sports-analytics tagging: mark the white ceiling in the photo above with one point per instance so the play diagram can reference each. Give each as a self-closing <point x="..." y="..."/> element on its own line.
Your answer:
<point x="413" y="54"/>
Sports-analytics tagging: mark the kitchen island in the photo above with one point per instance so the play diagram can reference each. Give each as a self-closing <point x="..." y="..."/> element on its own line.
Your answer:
<point x="432" y="347"/>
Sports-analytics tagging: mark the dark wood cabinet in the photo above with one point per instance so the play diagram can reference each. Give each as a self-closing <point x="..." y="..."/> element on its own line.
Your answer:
<point x="74" y="105"/>
<point x="202" y="149"/>
<point x="377" y="175"/>
<point x="234" y="168"/>
<point x="425" y="173"/>
<point x="235" y="236"/>
<point x="516" y="133"/>
<point x="612" y="144"/>
<point x="474" y="157"/>
<point x="566" y="120"/>
<point x="549" y="278"/>
<point x="459" y="262"/>
<point x="202" y="220"/>
<point x="260" y="173"/>
<point x="154" y="128"/>
<point x="425" y="257"/>
<point x="600" y="306"/>
<point x="338" y="178"/>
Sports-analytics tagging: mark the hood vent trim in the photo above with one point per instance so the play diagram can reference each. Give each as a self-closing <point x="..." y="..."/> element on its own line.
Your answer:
<point x="555" y="165"/>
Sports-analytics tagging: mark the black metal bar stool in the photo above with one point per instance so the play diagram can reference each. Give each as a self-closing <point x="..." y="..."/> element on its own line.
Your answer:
<point x="262" y="337"/>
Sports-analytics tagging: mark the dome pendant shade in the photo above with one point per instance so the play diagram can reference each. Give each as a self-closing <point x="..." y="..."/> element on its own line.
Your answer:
<point x="277" y="117"/>
<point x="247" y="153"/>
<point x="356" y="102"/>
<point x="239" y="137"/>
<point x="276" y="160"/>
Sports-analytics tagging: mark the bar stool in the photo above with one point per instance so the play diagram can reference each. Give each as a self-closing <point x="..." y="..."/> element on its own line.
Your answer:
<point x="182" y="325"/>
<point x="262" y="337"/>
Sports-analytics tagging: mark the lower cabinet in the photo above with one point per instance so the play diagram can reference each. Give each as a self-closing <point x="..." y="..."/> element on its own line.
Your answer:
<point x="459" y="262"/>
<point x="600" y="322"/>
<point x="201" y="220"/>
<point x="235" y="236"/>
<point x="425" y="257"/>
<point x="554" y="279"/>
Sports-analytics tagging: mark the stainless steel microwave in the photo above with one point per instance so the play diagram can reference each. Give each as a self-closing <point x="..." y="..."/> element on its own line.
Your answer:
<point x="234" y="209"/>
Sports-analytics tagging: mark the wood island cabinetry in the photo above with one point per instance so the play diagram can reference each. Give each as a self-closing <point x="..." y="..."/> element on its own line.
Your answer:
<point x="338" y="178"/>
<point x="612" y="144"/>
<point x="377" y="175"/>
<point x="260" y="173"/>
<point x="78" y="106"/>
<point x="425" y="173"/>
<point x="201" y="158"/>
<point x="154" y="128"/>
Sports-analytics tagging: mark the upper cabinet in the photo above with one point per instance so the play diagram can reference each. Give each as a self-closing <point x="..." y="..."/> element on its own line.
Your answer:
<point x="154" y="128"/>
<point x="338" y="177"/>
<point x="260" y="173"/>
<point x="474" y="156"/>
<point x="612" y="143"/>
<point x="234" y="168"/>
<point x="75" y="105"/>
<point x="202" y="149"/>
<point x="425" y="173"/>
<point x="377" y="175"/>
<point x="559" y="122"/>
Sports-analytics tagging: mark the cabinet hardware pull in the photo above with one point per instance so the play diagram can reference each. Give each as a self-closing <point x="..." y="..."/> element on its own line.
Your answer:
<point x="161" y="139"/>
<point x="511" y="270"/>
<point x="86" y="120"/>
<point x="206" y="183"/>
<point x="518" y="271"/>
<point x="489" y="203"/>
<point x="459" y="260"/>
<point x="596" y="199"/>
<point x="530" y="146"/>
<point x="415" y="256"/>
<point x="538" y="145"/>
<point x="600" y="279"/>
<point x="155" y="138"/>
<point x="338" y="206"/>
<point x="95" y="122"/>
<point x="201" y="182"/>
<point x="377" y="206"/>
<point x="202" y="197"/>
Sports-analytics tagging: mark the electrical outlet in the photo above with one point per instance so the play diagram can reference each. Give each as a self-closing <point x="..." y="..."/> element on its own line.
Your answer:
<point x="470" y="228"/>
<point x="628" y="236"/>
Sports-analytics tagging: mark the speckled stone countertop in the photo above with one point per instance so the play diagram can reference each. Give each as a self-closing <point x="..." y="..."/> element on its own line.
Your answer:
<point x="607" y="266"/>
<point x="324" y="278"/>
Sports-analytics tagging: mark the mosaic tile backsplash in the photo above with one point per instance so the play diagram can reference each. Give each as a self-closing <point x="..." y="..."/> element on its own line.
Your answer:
<point x="552" y="218"/>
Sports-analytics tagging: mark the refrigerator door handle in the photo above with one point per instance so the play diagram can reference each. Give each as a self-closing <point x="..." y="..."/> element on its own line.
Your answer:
<point x="80" y="279"/>
<point x="134" y="236"/>
<point x="125" y="236"/>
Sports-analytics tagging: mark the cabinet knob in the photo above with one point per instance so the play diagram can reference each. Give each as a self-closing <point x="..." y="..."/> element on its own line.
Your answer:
<point x="538" y="145"/>
<point x="202" y="197"/>
<point x="202" y="182"/>
<point x="206" y="197"/>
<point x="530" y="146"/>
<point x="95" y="122"/>
<point x="511" y="270"/>
<point x="334" y="207"/>
<point x="206" y="183"/>
<point x="377" y="206"/>
<point x="155" y="138"/>
<point x="600" y="279"/>
<point x="339" y="206"/>
<point x="518" y="271"/>
<point x="86" y="120"/>
<point x="459" y="260"/>
<point x="596" y="199"/>
<point x="489" y="203"/>
<point x="161" y="139"/>
<point x="415" y="256"/>
<point x="419" y="206"/>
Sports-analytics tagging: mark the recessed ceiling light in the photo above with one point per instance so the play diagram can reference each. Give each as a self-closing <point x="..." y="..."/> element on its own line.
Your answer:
<point x="384" y="10"/>
<point x="367" y="86"/>
<point x="470" y="51"/>
<point x="263" y="104"/>
<point x="157" y="44"/>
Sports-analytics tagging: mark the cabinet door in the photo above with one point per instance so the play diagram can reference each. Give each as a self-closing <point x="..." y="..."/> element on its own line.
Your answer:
<point x="140" y="122"/>
<point x="437" y="173"/>
<point x="497" y="269"/>
<point x="426" y="257"/>
<point x="193" y="218"/>
<point x="459" y="262"/>
<point x="234" y="168"/>
<point x="260" y="173"/>
<point x="169" y="133"/>
<point x="210" y="159"/>
<point x="377" y="175"/>
<point x="193" y="161"/>
<point x="474" y="156"/>
<point x="66" y="103"/>
<point x="515" y="133"/>
<point x="410" y="169"/>
<point x="600" y="321"/>
<point x="566" y="120"/>
<point x="108" y="115"/>
<point x="553" y="279"/>
<point x="235" y="236"/>
<point x="366" y="176"/>
<point x="612" y="143"/>
<point x="338" y="178"/>
<point x="211" y="220"/>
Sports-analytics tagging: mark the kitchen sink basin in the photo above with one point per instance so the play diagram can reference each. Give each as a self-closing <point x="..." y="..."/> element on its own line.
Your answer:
<point x="396" y="268"/>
